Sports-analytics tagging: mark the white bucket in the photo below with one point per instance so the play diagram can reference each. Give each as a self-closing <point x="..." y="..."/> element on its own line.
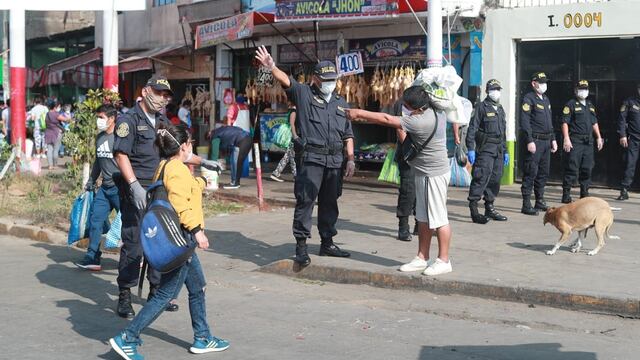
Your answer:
<point x="212" y="178"/>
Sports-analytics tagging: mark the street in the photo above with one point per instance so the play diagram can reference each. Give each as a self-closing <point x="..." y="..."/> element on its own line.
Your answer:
<point x="52" y="310"/>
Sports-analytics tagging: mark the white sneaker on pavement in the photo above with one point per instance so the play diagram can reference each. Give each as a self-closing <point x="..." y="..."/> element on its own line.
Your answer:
<point x="417" y="264"/>
<point x="276" y="178"/>
<point x="438" y="267"/>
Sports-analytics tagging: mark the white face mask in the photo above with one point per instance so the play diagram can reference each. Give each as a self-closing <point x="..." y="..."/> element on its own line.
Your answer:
<point x="582" y="94"/>
<point x="327" y="88"/>
<point x="494" y="95"/>
<point x="542" y="88"/>
<point x="101" y="123"/>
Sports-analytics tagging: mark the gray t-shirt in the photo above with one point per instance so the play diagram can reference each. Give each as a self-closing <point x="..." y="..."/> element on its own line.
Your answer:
<point x="432" y="160"/>
<point x="104" y="158"/>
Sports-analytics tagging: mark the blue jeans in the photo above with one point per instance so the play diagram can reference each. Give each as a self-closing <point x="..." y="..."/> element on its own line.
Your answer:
<point x="189" y="274"/>
<point x="106" y="199"/>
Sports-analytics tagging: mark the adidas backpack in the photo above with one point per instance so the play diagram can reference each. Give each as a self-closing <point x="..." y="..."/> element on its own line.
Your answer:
<point x="165" y="244"/>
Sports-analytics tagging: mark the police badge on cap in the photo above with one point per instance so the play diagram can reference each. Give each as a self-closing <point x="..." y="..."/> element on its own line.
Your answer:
<point x="160" y="83"/>
<point x="582" y="84"/>
<point x="325" y="70"/>
<point x="540" y="77"/>
<point x="493" y="84"/>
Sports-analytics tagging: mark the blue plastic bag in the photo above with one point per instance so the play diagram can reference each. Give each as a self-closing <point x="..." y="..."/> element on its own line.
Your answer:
<point x="460" y="177"/>
<point x="79" y="217"/>
<point x="113" y="236"/>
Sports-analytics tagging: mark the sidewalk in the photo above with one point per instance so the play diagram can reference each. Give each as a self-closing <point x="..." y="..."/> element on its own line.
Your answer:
<point x="499" y="260"/>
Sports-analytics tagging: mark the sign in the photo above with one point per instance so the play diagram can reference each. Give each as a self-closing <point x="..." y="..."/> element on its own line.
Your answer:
<point x="390" y="48"/>
<point x="288" y="54"/>
<point x="229" y="29"/>
<point x="349" y="64"/>
<point x="76" y="5"/>
<point x="269" y="124"/>
<point x="264" y="77"/>
<point x="263" y="6"/>
<point x="578" y="20"/>
<point x="304" y="10"/>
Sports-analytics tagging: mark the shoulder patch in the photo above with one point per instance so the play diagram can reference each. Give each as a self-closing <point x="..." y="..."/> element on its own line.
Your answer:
<point x="566" y="110"/>
<point x="623" y="108"/>
<point x="526" y="107"/>
<point x="123" y="130"/>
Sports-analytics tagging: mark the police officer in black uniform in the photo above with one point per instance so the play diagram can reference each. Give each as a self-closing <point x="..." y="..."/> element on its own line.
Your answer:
<point x="487" y="151"/>
<point x="325" y="135"/>
<point x="137" y="157"/>
<point x="629" y="131"/>
<point x="579" y="123"/>
<point x="536" y="127"/>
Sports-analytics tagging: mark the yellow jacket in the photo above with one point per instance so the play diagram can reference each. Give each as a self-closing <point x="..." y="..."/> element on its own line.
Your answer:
<point x="185" y="193"/>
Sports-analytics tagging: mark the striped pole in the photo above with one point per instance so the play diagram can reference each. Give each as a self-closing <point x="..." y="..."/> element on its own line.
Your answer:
<point x="18" y="76"/>
<point x="434" y="37"/>
<point x="256" y="151"/>
<point x="110" y="49"/>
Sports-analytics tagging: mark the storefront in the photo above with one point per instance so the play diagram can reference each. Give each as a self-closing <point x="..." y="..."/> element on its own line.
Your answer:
<point x="598" y="42"/>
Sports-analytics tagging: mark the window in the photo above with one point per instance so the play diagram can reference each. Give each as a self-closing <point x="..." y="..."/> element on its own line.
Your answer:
<point x="163" y="2"/>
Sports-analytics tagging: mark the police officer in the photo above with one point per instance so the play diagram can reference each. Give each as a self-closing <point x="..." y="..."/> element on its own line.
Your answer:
<point x="137" y="158"/>
<point x="629" y="131"/>
<point x="579" y="123"/>
<point x="487" y="152"/>
<point x="324" y="135"/>
<point x="536" y="127"/>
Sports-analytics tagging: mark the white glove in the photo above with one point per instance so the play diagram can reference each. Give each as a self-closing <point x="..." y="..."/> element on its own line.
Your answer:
<point x="351" y="168"/>
<point x="212" y="165"/>
<point x="139" y="195"/>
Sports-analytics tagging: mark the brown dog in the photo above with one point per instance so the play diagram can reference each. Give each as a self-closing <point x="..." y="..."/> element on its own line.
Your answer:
<point x="589" y="212"/>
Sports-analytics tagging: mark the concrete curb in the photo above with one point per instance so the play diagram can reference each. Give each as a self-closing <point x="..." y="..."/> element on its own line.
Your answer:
<point x="562" y="300"/>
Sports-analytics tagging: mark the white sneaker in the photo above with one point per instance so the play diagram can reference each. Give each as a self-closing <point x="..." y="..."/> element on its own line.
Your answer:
<point x="438" y="267"/>
<point x="276" y="178"/>
<point x="417" y="264"/>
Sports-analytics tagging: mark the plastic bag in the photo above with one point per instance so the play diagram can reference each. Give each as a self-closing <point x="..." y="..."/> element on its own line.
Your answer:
<point x="390" y="172"/>
<point x="113" y="236"/>
<point x="79" y="217"/>
<point x="460" y="177"/>
<point x="282" y="139"/>
<point x="461" y="156"/>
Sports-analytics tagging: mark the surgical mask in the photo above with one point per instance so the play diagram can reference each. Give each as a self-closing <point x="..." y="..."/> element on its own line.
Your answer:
<point x="327" y="88"/>
<point x="542" y="88"/>
<point x="582" y="94"/>
<point x="101" y="123"/>
<point x="154" y="103"/>
<point x="494" y="95"/>
<point x="406" y="111"/>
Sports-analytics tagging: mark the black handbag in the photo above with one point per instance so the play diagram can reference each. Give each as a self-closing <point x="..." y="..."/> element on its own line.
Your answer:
<point x="409" y="147"/>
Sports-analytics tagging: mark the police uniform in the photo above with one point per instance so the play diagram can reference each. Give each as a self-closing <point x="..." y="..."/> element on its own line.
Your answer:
<point x="407" y="190"/>
<point x="629" y="127"/>
<point x="486" y="136"/>
<point x="580" y="118"/>
<point x="536" y="125"/>
<point x="322" y="129"/>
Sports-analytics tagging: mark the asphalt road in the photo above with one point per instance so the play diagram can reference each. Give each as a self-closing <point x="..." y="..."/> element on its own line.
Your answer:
<point x="51" y="310"/>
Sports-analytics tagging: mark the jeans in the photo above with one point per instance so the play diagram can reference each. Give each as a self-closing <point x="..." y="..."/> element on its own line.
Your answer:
<point x="189" y="274"/>
<point x="53" y="150"/>
<point x="106" y="199"/>
<point x="238" y="157"/>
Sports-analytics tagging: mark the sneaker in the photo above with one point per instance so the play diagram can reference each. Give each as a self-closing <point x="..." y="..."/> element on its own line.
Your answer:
<point x="89" y="264"/>
<point x="128" y="350"/>
<point x="276" y="178"/>
<point x="203" y="346"/>
<point x="231" y="186"/>
<point x="438" y="267"/>
<point x="417" y="264"/>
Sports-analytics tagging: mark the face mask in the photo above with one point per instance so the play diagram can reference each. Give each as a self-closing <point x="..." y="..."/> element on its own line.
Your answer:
<point x="582" y="94"/>
<point x="406" y="111"/>
<point x="542" y="88"/>
<point x="154" y="103"/>
<point x="494" y="95"/>
<point x="101" y="123"/>
<point x="327" y="87"/>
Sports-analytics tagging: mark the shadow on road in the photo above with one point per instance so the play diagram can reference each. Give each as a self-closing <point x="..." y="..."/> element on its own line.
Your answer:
<point x="537" y="351"/>
<point x="535" y="247"/>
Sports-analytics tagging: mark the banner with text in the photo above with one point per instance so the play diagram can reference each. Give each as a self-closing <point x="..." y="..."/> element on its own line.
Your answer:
<point x="221" y="31"/>
<point x="293" y="10"/>
<point x="390" y="48"/>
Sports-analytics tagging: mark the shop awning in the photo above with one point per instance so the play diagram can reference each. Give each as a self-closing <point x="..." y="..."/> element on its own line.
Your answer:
<point x="230" y="29"/>
<point x="74" y="61"/>
<point x="144" y="59"/>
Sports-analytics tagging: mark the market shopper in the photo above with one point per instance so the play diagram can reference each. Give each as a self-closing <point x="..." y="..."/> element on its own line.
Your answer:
<point x="185" y="195"/>
<point x="289" y="155"/>
<point x="237" y="142"/>
<point x="53" y="133"/>
<point x="536" y="127"/>
<point x="487" y="151"/>
<point x="238" y="114"/>
<point x="36" y="116"/>
<point x="106" y="198"/>
<point x="427" y="129"/>
<point x="325" y="136"/>
<point x="579" y="124"/>
<point x="629" y="133"/>
<point x="184" y="113"/>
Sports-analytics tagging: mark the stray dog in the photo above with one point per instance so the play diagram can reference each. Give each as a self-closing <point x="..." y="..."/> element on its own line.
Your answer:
<point x="589" y="212"/>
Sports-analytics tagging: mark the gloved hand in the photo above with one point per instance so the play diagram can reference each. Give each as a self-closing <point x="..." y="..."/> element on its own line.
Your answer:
<point x="90" y="186"/>
<point x="351" y="168"/>
<point x="212" y="165"/>
<point x="139" y="195"/>
<point x="471" y="155"/>
<point x="506" y="159"/>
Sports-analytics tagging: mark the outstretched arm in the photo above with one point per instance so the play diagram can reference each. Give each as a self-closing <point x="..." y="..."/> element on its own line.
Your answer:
<point x="374" y="118"/>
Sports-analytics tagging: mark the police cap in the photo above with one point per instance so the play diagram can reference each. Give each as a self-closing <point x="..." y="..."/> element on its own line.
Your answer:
<point x="582" y="84"/>
<point x="493" y="84"/>
<point x="325" y="70"/>
<point x="539" y="77"/>
<point x="160" y="83"/>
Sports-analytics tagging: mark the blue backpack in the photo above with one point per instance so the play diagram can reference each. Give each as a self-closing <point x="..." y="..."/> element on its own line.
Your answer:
<point x="166" y="245"/>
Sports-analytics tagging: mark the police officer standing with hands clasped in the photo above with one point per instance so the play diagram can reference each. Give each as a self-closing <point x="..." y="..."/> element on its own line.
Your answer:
<point x="579" y="123"/>
<point x="536" y="126"/>
<point x="324" y="135"/>
<point x="629" y="131"/>
<point x="487" y="152"/>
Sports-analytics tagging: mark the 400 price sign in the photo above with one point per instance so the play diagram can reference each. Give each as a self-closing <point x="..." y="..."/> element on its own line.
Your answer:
<point x="349" y="64"/>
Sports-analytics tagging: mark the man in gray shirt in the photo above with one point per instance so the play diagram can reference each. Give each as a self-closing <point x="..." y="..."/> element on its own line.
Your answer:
<point x="427" y="130"/>
<point x="106" y="198"/>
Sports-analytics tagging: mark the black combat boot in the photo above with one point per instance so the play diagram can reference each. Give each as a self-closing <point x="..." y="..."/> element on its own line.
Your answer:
<point x="302" y="257"/>
<point x="475" y="215"/>
<point x="125" y="309"/>
<point x="527" y="209"/>
<point x="566" y="196"/>
<point x="153" y="290"/>
<point x="624" y="194"/>
<point x="404" y="233"/>
<point x="491" y="212"/>
<point x="584" y="191"/>
<point x="541" y="204"/>
<point x="328" y="248"/>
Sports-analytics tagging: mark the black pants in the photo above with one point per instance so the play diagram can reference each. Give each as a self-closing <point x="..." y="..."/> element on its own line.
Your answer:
<point x="245" y="147"/>
<point x="407" y="190"/>
<point x="316" y="182"/>
<point x="536" y="169"/>
<point x="487" y="172"/>
<point x="131" y="250"/>
<point x="578" y="164"/>
<point x="630" y="159"/>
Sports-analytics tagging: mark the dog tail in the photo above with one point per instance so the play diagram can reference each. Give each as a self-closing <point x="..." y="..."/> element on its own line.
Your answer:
<point x="615" y="208"/>
<point x="611" y="237"/>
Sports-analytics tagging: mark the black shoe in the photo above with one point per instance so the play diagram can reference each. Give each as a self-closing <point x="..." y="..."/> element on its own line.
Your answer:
<point x="541" y="205"/>
<point x="491" y="213"/>
<point x="302" y="256"/>
<point x="624" y="194"/>
<point x="527" y="209"/>
<point x="231" y="186"/>
<point x="475" y="214"/>
<point x="170" y="306"/>
<point x="584" y="191"/>
<point x="403" y="229"/>
<point x="332" y="250"/>
<point x="566" y="199"/>
<point x="125" y="309"/>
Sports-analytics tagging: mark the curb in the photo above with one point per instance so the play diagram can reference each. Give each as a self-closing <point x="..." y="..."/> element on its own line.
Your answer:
<point x="568" y="301"/>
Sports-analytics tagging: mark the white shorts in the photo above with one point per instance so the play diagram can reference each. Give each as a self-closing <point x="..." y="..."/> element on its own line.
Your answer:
<point x="431" y="200"/>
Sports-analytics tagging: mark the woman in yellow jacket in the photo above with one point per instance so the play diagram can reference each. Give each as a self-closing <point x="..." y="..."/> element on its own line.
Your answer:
<point x="185" y="195"/>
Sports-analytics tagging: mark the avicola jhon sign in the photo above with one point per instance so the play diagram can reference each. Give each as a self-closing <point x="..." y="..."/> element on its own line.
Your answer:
<point x="292" y="10"/>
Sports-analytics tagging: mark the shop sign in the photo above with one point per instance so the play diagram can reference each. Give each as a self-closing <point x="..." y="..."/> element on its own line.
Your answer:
<point x="229" y="29"/>
<point x="390" y="48"/>
<point x="292" y="10"/>
<point x="288" y="54"/>
<point x="264" y="77"/>
<point x="577" y="20"/>
<point x="349" y="64"/>
<point x="263" y="6"/>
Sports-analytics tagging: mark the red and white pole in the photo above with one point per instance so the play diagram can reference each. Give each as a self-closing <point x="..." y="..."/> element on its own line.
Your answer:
<point x="110" y="49"/>
<point x="256" y="157"/>
<point x="434" y="29"/>
<point x="18" y="75"/>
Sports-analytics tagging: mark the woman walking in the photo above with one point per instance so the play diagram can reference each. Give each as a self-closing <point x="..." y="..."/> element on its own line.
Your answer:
<point x="289" y="155"/>
<point x="185" y="195"/>
<point x="53" y="133"/>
